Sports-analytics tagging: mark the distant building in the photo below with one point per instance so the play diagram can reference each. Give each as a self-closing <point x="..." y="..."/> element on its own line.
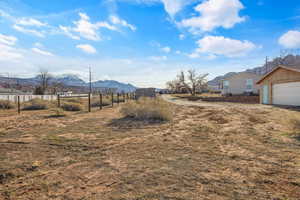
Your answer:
<point x="65" y="93"/>
<point x="145" y="92"/>
<point x="214" y="88"/>
<point x="241" y="83"/>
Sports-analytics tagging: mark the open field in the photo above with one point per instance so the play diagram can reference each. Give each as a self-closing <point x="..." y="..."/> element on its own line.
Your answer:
<point x="206" y="152"/>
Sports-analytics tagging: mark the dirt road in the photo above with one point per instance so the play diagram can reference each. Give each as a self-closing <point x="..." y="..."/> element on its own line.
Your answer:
<point x="199" y="103"/>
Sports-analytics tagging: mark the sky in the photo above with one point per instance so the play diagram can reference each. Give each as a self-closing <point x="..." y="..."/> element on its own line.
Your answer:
<point x="143" y="42"/>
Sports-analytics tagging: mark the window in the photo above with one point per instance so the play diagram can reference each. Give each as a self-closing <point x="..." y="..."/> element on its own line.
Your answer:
<point x="226" y="84"/>
<point x="249" y="84"/>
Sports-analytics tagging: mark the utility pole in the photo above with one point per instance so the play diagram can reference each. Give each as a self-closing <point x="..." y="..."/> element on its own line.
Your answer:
<point x="90" y="79"/>
<point x="267" y="69"/>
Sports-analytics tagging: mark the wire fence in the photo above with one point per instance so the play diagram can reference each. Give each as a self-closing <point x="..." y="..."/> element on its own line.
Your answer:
<point x="88" y="101"/>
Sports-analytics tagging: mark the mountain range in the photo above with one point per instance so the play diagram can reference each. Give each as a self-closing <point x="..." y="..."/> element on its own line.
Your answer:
<point x="289" y="60"/>
<point x="71" y="80"/>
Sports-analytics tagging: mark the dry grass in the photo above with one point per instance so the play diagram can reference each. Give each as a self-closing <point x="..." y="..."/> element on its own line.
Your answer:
<point x="36" y="104"/>
<point x="203" y="153"/>
<point x="70" y="106"/>
<point x="5" y="104"/>
<point x="148" y="109"/>
<point x="57" y="112"/>
<point x="96" y="102"/>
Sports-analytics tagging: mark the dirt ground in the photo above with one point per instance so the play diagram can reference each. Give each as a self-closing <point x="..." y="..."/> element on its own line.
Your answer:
<point x="211" y="97"/>
<point x="207" y="152"/>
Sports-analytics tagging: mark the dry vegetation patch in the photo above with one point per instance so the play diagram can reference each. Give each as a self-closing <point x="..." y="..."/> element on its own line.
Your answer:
<point x="36" y="104"/>
<point x="5" y="104"/>
<point x="72" y="106"/>
<point x="148" y="109"/>
<point x="81" y="156"/>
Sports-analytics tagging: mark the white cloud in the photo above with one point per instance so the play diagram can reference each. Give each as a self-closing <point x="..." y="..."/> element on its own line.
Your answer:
<point x="42" y="52"/>
<point x="158" y="58"/>
<point x="178" y="52"/>
<point x="86" y="29"/>
<point x="68" y="32"/>
<point x="174" y="6"/>
<point x="8" y="40"/>
<point x="7" y="52"/>
<point x="117" y="21"/>
<point x="214" y="14"/>
<point x="39" y="45"/>
<point x="166" y="49"/>
<point x="158" y="45"/>
<point x="291" y="39"/>
<point x="181" y="37"/>
<point x="219" y="45"/>
<point x="28" y="31"/>
<point x="30" y="22"/>
<point x="87" y="48"/>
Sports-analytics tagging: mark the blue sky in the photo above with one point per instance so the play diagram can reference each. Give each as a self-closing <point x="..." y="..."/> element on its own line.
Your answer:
<point x="144" y="42"/>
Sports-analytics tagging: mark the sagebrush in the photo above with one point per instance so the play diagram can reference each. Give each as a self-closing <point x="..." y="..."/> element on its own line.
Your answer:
<point x="5" y="104"/>
<point x="36" y="104"/>
<point x="148" y="109"/>
<point x="72" y="106"/>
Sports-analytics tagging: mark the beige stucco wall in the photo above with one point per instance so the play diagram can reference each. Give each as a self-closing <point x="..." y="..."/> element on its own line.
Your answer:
<point x="238" y="83"/>
<point x="280" y="76"/>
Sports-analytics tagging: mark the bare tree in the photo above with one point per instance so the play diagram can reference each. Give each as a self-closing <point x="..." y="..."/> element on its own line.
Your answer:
<point x="56" y="87"/>
<point x="174" y="86"/>
<point x="44" y="79"/>
<point x="196" y="82"/>
<point x="192" y="83"/>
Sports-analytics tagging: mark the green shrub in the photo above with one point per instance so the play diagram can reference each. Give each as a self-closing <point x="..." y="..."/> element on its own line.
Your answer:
<point x="148" y="109"/>
<point x="5" y="104"/>
<point x="72" y="106"/>
<point x="36" y="104"/>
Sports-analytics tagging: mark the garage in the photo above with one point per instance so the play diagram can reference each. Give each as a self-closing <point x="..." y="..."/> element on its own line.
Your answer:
<point x="281" y="86"/>
<point x="286" y="94"/>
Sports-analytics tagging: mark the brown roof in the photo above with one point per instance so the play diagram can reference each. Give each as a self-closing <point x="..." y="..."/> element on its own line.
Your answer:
<point x="277" y="68"/>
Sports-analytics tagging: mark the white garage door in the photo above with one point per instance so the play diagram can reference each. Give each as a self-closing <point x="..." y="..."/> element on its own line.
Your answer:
<point x="287" y="94"/>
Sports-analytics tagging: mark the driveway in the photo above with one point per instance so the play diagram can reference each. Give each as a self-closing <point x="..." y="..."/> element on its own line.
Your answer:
<point x="183" y="102"/>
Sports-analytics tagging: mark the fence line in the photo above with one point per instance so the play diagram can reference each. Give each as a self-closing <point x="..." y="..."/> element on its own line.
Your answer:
<point x="28" y="97"/>
<point x="18" y="99"/>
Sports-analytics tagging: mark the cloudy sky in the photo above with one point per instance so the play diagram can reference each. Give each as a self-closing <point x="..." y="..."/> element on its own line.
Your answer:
<point x="143" y="42"/>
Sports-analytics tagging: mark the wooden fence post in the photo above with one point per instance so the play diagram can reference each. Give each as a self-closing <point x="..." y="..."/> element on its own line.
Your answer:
<point x="112" y="99"/>
<point x="118" y="98"/>
<point x="100" y="96"/>
<point x="124" y="97"/>
<point x="89" y="102"/>
<point x="58" y="100"/>
<point x="19" y="106"/>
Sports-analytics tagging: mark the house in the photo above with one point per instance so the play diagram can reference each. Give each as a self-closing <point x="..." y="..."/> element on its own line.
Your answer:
<point x="281" y="86"/>
<point x="145" y="92"/>
<point x="214" y="88"/>
<point x="241" y="83"/>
